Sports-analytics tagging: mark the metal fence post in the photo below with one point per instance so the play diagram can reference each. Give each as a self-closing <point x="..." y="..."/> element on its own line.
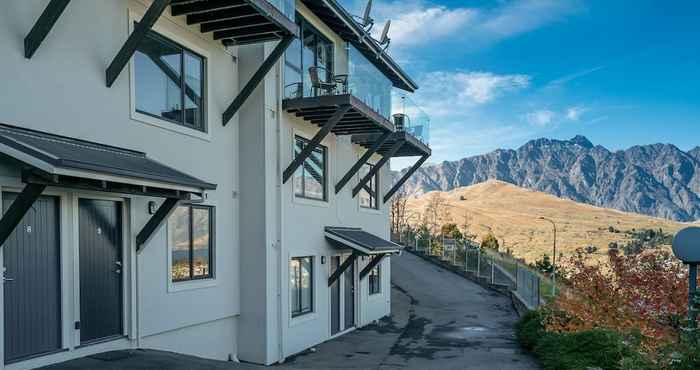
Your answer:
<point x="478" y="263"/>
<point x="493" y="270"/>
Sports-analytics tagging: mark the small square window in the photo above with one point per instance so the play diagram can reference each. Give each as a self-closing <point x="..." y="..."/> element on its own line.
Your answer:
<point x="310" y="178"/>
<point x="301" y="288"/>
<point x="169" y="82"/>
<point x="190" y="230"/>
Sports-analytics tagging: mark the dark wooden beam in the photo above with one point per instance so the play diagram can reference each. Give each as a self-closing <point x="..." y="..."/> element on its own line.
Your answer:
<point x="236" y="23"/>
<point x="405" y="178"/>
<point x="155" y="222"/>
<point x="395" y="148"/>
<point x="219" y="15"/>
<point x="320" y="135"/>
<point x="257" y="77"/>
<point x="43" y="26"/>
<point x="140" y="30"/>
<point x="203" y="6"/>
<point x="348" y="262"/>
<point x="368" y="154"/>
<point x="18" y="209"/>
<point x="372" y="264"/>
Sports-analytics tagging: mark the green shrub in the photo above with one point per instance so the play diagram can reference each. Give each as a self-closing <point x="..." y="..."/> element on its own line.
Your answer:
<point x="529" y="329"/>
<point x="596" y="348"/>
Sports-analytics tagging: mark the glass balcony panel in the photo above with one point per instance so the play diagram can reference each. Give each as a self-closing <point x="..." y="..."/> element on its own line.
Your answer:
<point x="368" y="84"/>
<point x="285" y="6"/>
<point x="410" y="117"/>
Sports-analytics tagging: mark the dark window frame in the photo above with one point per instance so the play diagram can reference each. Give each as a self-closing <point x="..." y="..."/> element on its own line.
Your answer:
<point x="302" y="69"/>
<point x="374" y="279"/>
<point x="300" y="311"/>
<point x="212" y="245"/>
<point x="324" y="151"/>
<point x="155" y="36"/>
<point x="373" y="185"/>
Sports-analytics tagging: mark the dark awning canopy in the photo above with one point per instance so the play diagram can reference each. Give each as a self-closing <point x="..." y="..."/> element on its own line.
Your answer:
<point x="64" y="161"/>
<point x="412" y="147"/>
<point x="342" y="23"/>
<point x="360" y="118"/>
<point x="361" y="241"/>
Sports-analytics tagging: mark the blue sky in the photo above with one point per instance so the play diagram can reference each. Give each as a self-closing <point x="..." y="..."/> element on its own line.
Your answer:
<point x="495" y="74"/>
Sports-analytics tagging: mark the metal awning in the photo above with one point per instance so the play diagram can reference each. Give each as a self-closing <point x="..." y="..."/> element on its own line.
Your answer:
<point x="361" y="241"/>
<point x="359" y="118"/>
<point x="52" y="160"/>
<point x="342" y="23"/>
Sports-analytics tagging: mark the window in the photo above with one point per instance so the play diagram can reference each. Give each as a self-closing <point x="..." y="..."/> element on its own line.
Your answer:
<point x="368" y="193"/>
<point x="312" y="50"/>
<point x="310" y="178"/>
<point x="301" y="274"/>
<point x="169" y="82"/>
<point x="190" y="234"/>
<point x="375" y="279"/>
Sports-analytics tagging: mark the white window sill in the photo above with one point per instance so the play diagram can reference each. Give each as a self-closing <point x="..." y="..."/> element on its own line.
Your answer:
<point x="170" y="126"/>
<point x="311" y="202"/>
<point x="303" y="319"/>
<point x="182" y="286"/>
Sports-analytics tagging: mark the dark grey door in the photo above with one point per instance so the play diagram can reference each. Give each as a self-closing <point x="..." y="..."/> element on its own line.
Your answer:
<point x="335" y="298"/>
<point x="349" y="278"/>
<point x="32" y="289"/>
<point x="100" y="270"/>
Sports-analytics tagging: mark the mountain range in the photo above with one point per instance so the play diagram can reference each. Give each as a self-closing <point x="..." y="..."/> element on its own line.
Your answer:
<point x="658" y="180"/>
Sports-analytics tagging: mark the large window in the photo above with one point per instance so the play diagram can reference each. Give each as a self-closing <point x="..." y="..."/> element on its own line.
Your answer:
<point x="310" y="178"/>
<point x="169" y="82"/>
<point x="301" y="276"/>
<point x="190" y="231"/>
<point x="368" y="193"/>
<point x="312" y="50"/>
<point x="375" y="279"/>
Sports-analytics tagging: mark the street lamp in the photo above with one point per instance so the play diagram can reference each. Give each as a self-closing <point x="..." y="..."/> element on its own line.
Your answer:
<point x="554" y="256"/>
<point x="686" y="247"/>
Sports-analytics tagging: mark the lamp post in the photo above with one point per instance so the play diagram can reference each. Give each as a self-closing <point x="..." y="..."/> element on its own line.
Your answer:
<point x="554" y="256"/>
<point x="686" y="246"/>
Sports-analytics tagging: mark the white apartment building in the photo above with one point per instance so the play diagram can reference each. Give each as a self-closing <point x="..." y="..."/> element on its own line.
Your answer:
<point x="208" y="177"/>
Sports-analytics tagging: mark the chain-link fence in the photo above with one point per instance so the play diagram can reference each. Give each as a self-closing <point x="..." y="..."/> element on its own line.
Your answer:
<point x="486" y="265"/>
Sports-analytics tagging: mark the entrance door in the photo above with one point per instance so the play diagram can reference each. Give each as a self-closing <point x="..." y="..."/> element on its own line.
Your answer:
<point x="32" y="287"/>
<point x="335" y="298"/>
<point x="100" y="270"/>
<point x="349" y="278"/>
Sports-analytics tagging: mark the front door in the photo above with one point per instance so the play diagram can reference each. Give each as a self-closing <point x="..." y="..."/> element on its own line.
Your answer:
<point x="335" y="298"/>
<point x="100" y="270"/>
<point x="349" y="278"/>
<point x="32" y="281"/>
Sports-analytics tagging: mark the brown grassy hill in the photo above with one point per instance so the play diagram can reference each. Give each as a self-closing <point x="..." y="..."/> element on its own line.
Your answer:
<point x="512" y="214"/>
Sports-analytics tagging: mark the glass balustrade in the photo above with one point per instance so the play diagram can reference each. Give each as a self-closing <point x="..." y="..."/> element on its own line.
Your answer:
<point x="285" y="6"/>
<point x="410" y="117"/>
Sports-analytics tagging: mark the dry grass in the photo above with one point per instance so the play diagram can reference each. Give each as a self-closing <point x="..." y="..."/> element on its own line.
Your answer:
<point x="512" y="213"/>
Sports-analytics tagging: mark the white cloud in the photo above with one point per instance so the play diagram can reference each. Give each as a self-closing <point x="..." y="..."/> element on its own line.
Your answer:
<point x="575" y="113"/>
<point x="540" y="118"/>
<point x="443" y="93"/>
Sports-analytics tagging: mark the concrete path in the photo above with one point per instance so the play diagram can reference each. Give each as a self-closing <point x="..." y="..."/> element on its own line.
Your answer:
<point x="439" y="321"/>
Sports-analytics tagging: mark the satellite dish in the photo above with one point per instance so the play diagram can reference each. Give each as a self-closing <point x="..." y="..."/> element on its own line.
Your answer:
<point x="686" y="245"/>
<point x="367" y="18"/>
<point x="385" y="40"/>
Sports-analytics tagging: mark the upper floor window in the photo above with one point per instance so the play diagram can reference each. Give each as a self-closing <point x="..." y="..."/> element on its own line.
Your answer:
<point x="310" y="178"/>
<point x="190" y="229"/>
<point x="301" y="278"/>
<point x="169" y="82"/>
<point x="368" y="193"/>
<point x="312" y="50"/>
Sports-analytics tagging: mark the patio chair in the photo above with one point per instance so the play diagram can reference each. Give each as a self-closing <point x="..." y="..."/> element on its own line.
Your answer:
<point x="330" y="87"/>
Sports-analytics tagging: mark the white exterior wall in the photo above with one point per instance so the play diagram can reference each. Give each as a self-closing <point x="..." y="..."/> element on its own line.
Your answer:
<point x="62" y="90"/>
<point x="298" y="224"/>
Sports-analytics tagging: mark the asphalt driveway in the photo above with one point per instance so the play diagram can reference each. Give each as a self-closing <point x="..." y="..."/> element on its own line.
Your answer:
<point x="439" y="321"/>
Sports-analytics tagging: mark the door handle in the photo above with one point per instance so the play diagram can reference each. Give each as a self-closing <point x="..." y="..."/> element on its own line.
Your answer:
<point x="5" y="280"/>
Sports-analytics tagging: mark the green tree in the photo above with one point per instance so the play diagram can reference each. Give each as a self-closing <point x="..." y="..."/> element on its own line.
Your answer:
<point x="490" y="241"/>
<point x="452" y="231"/>
<point x="545" y="264"/>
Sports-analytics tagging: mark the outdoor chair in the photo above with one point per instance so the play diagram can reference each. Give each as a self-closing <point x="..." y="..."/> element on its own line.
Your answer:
<point x="327" y="85"/>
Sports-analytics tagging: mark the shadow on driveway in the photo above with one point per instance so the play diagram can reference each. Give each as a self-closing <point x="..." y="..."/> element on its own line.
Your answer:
<point x="440" y="321"/>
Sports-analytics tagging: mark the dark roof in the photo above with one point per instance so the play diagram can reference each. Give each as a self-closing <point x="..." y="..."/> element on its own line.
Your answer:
<point x="342" y="23"/>
<point x="318" y="110"/>
<point x="64" y="153"/>
<point x="361" y="241"/>
<point x="236" y="22"/>
<point x="412" y="147"/>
